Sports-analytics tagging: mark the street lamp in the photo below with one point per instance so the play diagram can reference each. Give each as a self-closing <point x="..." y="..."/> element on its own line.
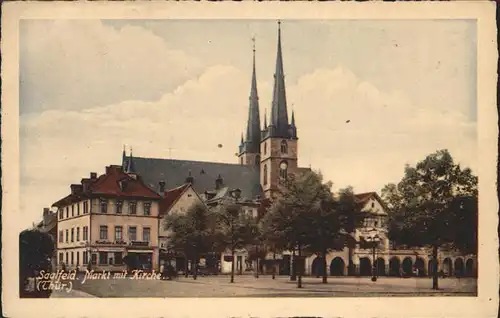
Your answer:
<point x="374" y="239"/>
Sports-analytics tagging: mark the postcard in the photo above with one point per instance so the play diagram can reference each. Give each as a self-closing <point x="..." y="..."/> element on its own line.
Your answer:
<point x="249" y="159"/>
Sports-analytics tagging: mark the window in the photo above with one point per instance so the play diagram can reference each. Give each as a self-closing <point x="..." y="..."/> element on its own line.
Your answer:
<point x="72" y="258"/>
<point x="78" y="208"/>
<point x="61" y="236"/>
<point x="67" y="236"/>
<point x="67" y="212"/>
<point x="61" y="214"/>
<point x="72" y="210"/>
<point x="118" y="258"/>
<point x="85" y="207"/>
<point x="61" y="258"/>
<point x="283" y="170"/>
<point x="85" y="233"/>
<point x="373" y="204"/>
<point x="132" y="205"/>
<point x="147" y="208"/>
<point x="78" y="234"/>
<point x="67" y="259"/>
<point x="94" y="259"/>
<point x="85" y="257"/>
<point x="77" y="258"/>
<point x="103" y="232"/>
<point x="284" y="146"/>
<point x="119" y="206"/>
<point x="265" y="174"/>
<point x="72" y="235"/>
<point x="103" y="258"/>
<point x="118" y="233"/>
<point x="132" y="233"/>
<point x="265" y="148"/>
<point x="104" y="206"/>
<point x="146" y="234"/>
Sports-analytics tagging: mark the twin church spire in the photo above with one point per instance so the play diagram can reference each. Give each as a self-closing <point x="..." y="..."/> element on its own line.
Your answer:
<point x="279" y="126"/>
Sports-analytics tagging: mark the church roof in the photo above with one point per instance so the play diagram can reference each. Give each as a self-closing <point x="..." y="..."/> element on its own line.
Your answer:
<point x="203" y="174"/>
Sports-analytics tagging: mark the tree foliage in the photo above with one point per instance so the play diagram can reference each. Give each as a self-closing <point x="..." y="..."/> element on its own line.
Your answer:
<point x="434" y="204"/>
<point x="191" y="233"/>
<point x="306" y="217"/>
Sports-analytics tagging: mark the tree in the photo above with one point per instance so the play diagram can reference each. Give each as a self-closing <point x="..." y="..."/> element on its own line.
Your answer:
<point x="191" y="233"/>
<point x="333" y="222"/>
<point x="235" y="229"/>
<point x="305" y="217"/>
<point x="352" y="216"/>
<point x="435" y="204"/>
<point x="35" y="251"/>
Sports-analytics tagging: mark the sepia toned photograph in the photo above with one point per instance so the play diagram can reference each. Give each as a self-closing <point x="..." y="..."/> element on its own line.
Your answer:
<point x="255" y="157"/>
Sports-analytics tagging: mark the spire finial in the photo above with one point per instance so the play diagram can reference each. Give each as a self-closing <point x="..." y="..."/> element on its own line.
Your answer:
<point x="253" y="43"/>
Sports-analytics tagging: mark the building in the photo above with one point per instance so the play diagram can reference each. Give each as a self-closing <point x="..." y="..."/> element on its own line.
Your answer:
<point x="110" y="221"/>
<point x="174" y="201"/>
<point x="389" y="260"/>
<point x="266" y="155"/>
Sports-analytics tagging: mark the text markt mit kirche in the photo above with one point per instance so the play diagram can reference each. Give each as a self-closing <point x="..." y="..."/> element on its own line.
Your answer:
<point x="98" y="275"/>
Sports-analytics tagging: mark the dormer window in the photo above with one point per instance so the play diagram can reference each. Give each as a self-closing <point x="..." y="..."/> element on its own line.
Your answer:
<point x="284" y="147"/>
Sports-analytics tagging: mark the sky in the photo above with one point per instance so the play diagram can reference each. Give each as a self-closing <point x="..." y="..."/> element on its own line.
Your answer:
<point x="179" y="88"/>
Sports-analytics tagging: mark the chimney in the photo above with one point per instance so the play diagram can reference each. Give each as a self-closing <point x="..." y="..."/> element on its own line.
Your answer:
<point x="93" y="175"/>
<point x="76" y="188"/>
<point x="46" y="211"/>
<point x="162" y="187"/>
<point x="108" y="169"/>
<point x="219" y="182"/>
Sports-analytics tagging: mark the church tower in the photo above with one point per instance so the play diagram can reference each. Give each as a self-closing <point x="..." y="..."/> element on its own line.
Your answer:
<point x="278" y="146"/>
<point x="249" y="150"/>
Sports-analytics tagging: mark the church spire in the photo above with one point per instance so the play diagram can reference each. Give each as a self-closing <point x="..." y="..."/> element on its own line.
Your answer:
<point x="279" y="114"/>
<point x="130" y="164"/>
<point x="253" y="124"/>
<point x="265" y="119"/>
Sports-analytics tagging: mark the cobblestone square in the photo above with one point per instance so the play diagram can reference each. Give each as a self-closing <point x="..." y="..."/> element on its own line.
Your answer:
<point x="265" y="286"/>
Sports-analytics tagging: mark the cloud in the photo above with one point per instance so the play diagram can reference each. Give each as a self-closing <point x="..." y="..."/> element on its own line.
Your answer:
<point x="75" y="64"/>
<point x="386" y="131"/>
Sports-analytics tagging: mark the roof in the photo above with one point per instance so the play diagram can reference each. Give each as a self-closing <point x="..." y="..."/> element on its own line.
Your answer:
<point x="171" y="196"/>
<point x="175" y="172"/>
<point x="109" y="184"/>
<point x="363" y="197"/>
<point x="115" y="183"/>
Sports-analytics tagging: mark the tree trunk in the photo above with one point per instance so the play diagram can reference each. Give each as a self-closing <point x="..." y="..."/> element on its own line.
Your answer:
<point x="274" y="265"/>
<point x="194" y="266"/>
<point x="186" y="266"/>
<point x="299" y="267"/>
<point x="257" y="262"/>
<point x="325" y="272"/>
<point x="435" y="267"/>
<point x="293" y="277"/>
<point x="232" y="265"/>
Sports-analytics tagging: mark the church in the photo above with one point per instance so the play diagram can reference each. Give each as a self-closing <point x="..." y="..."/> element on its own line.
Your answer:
<point x="265" y="154"/>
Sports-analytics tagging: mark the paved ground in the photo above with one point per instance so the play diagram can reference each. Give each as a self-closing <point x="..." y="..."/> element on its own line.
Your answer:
<point x="265" y="286"/>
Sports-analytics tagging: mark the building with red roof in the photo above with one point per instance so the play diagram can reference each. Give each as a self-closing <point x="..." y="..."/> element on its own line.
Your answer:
<point x="108" y="222"/>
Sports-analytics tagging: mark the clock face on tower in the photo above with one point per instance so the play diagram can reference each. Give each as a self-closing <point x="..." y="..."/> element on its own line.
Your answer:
<point x="283" y="166"/>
